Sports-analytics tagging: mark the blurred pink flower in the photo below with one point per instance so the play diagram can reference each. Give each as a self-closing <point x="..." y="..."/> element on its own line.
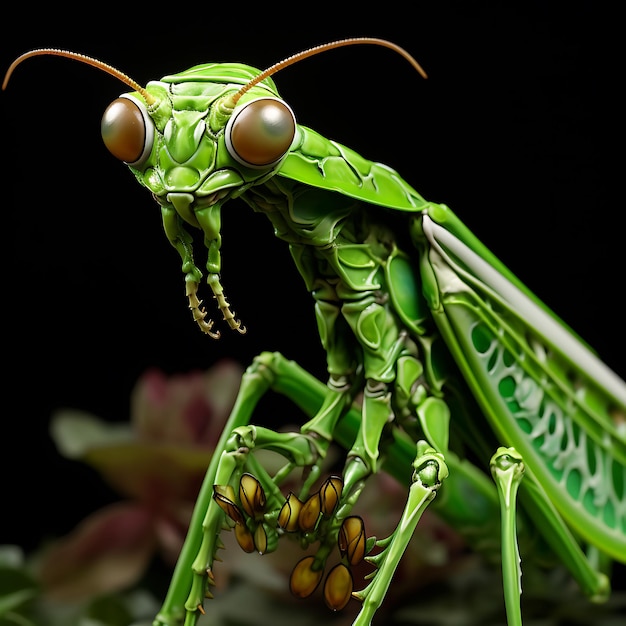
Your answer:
<point x="156" y="461"/>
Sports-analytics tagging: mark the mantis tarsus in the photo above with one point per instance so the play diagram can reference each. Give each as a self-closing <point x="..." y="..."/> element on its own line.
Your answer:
<point x="433" y="348"/>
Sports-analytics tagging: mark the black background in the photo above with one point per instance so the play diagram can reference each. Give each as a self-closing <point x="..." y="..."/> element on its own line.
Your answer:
<point x="513" y="129"/>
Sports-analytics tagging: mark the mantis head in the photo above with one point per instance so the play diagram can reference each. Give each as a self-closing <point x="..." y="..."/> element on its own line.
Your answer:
<point x="197" y="139"/>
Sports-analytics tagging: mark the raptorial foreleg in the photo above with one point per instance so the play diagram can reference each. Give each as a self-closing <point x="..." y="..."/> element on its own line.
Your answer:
<point x="429" y="472"/>
<point x="193" y="573"/>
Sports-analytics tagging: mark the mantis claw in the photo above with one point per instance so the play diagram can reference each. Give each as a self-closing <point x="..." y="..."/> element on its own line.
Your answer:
<point x="223" y="305"/>
<point x="199" y="314"/>
<point x="230" y="319"/>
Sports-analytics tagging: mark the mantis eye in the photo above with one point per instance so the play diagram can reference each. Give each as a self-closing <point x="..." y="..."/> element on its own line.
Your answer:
<point x="260" y="132"/>
<point x="127" y="130"/>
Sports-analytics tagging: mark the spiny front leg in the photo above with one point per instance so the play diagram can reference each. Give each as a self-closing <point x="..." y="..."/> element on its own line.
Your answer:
<point x="247" y="499"/>
<point x="213" y="280"/>
<point x="267" y="371"/>
<point x="430" y="470"/>
<point x="347" y="533"/>
<point x="199" y="312"/>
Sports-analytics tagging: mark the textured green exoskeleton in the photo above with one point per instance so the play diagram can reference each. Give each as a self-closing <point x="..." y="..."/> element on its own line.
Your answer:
<point x="433" y="348"/>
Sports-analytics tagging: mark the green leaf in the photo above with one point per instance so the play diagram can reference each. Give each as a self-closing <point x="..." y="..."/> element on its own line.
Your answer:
<point x="12" y="601"/>
<point x="17" y="589"/>
<point x="107" y="611"/>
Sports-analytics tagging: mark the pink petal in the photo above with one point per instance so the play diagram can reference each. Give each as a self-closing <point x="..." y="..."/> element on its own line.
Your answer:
<point x="157" y="474"/>
<point x="186" y="408"/>
<point x="107" y="552"/>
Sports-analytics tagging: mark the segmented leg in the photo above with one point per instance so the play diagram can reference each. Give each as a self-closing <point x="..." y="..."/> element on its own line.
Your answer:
<point x="468" y="499"/>
<point x="199" y="312"/>
<point x="249" y="497"/>
<point x="260" y="376"/>
<point x="507" y="469"/>
<point x="430" y="470"/>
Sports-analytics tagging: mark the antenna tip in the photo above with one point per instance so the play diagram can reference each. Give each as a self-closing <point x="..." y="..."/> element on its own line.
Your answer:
<point x="7" y="75"/>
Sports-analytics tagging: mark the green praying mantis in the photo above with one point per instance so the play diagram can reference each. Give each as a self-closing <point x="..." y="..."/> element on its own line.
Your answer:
<point x="436" y="354"/>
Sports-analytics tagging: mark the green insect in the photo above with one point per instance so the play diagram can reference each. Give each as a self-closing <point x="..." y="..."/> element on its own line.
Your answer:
<point x="435" y="352"/>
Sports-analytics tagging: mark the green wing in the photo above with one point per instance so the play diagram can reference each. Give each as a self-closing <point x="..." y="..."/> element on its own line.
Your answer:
<point x="541" y="388"/>
<point x="320" y="162"/>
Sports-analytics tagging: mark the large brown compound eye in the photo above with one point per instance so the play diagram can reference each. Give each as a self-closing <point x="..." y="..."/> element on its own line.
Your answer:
<point x="260" y="132"/>
<point x="127" y="130"/>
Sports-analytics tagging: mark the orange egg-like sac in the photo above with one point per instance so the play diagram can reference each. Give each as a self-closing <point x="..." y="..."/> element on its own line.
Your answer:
<point x="224" y="495"/>
<point x="260" y="539"/>
<point x="330" y="492"/>
<point x="260" y="132"/>
<point x="289" y="513"/>
<point x="304" y="579"/>
<point x="352" y="539"/>
<point x="252" y="496"/>
<point x="310" y="513"/>
<point x="123" y="130"/>
<point x="244" y="538"/>
<point x="338" y="587"/>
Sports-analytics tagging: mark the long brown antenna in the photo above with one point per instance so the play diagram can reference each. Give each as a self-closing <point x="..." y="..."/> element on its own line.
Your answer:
<point x="83" y="59"/>
<point x="323" y="48"/>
